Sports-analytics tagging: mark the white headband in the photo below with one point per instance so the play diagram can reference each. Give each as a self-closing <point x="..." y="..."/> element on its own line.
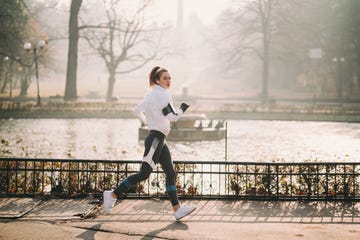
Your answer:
<point x="160" y="69"/>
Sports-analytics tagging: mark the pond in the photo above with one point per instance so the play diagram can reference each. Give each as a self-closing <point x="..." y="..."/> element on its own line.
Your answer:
<point x="248" y="140"/>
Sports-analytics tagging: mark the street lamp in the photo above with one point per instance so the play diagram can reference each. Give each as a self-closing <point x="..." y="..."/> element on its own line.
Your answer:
<point x="6" y="59"/>
<point x="36" y="48"/>
<point x="339" y="61"/>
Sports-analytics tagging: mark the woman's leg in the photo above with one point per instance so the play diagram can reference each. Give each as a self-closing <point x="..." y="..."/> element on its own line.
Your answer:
<point x="168" y="167"/>
<point x="153" y="146"/>
<point x="142" y="175"/>
<point x="121" y="191"/>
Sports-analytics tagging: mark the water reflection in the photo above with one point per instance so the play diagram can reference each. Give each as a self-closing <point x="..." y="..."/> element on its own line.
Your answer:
<point x="285" y="141"/>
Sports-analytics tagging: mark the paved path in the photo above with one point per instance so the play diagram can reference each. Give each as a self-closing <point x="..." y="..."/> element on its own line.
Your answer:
<point x="214" y="219"/>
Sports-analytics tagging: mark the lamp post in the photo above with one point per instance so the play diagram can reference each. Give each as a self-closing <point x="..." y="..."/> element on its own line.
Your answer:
<point x="36" y="48"/>
<point x="6" y="59"/>
<point x="339" y="61"/>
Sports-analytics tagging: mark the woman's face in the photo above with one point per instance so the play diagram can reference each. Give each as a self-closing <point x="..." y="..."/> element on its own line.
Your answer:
<point x="165" y="80"/>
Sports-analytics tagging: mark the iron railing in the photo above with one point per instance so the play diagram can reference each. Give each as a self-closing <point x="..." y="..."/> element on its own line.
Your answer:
<point x="195" y="179"/>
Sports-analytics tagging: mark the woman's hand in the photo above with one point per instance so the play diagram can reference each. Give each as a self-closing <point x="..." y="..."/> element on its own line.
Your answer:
<point x="184" y="106"/>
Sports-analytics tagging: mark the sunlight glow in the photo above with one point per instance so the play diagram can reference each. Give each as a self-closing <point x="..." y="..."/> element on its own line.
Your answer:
<point x="206" y="10"/>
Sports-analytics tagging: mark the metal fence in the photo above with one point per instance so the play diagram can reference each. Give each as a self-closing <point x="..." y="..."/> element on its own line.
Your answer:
<point x="195" y="179"/>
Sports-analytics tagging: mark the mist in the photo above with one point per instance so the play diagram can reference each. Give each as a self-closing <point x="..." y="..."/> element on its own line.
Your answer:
<point x="187" y="53"/>
<point x="217" y="49"/>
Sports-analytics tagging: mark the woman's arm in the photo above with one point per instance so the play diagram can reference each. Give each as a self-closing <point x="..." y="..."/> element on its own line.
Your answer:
<point x="173" y="115"/>
<point x="139" y="112"/>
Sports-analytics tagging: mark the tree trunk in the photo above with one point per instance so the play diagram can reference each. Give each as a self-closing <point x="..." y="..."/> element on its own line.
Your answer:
<point x="265" y="73"/>
<point x="6" y="79"/>
<point x="110" y="90"/>
<point x="71" y="71"/>
<point x="265" y="67"/>
<point x="265" y="70"/>
<point x="25" y="81"/>
<point x="357" y="76"/>
<point x="23" y="87"/>
<point x="265" y="11"/>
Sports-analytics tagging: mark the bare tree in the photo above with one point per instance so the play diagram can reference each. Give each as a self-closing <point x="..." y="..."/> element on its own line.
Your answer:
<point x="14" y="19"/>
<point x="124" y="44"/>
<point x="265" y="9"/>
<point x="18" y="24"/>
<point x="330" y="26"/>
<point x="25" y="80"/>
<point x="71" y="71"/>
<point x="249" y="30"/>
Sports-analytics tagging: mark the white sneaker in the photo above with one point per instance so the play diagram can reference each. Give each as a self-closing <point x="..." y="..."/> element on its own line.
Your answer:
<point x="109" y="201"/>
<point x="184" y="211"/>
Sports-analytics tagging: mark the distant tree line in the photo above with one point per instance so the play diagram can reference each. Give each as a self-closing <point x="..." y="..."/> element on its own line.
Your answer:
<point x="16" y="27"/>
<point x="318" y="40"/>
<point x="312" y="43"/>
<point x="119" y="40"/>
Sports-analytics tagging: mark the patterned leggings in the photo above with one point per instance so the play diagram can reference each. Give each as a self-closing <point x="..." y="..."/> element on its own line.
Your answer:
<point x="156" y="151"/>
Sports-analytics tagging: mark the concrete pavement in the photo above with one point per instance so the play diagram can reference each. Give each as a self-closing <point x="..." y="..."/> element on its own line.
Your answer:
<point x="213" y="219"/>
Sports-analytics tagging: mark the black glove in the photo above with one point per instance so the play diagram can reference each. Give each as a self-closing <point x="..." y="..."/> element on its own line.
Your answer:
<point x="184" y="106"/>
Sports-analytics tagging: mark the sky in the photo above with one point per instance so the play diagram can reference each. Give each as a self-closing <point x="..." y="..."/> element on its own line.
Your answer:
<point x="166" y="10"/>
<point x="206" y="10"/>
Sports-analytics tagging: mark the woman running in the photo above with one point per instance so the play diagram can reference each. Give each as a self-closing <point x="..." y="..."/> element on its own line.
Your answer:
<point x="156" y="111"/>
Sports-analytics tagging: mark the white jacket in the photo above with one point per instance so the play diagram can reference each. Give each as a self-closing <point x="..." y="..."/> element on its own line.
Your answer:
<point x="149" y="111"/>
